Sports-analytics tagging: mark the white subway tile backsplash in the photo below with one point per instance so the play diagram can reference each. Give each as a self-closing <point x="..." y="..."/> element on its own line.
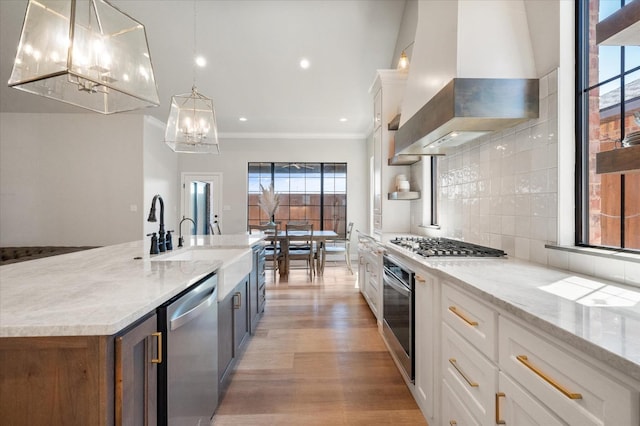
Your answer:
<point x="552" y="230"/>
<point x="523" y="183"/>
<point x="538" y="182"/>
<point x="522" y="246"/>
<point x="539" y="228"/>
<point x="558" y="259"/>
<point x="508" y="244"/>
<point x="496" y="224"/>
<point x="544" y="87"/>
<point x="609" y="269"/>
<point x="523" y="226"/>
<point x="523" y="205"/>
<point x="508" y="205"/>
<point x="553" y="82"/>
<point x="523" y="139"/>
<point x="581" y="263"/>
<point x="632" y="273"/>
<point x="543" y="110"/>
<point x="540" y="157"/>
<point x="537" y="251"/>
<point x="508" y="225"/>
<point x="502" y="190"/>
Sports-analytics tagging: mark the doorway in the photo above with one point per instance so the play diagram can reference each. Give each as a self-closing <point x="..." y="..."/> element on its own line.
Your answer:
<point x="201" y="201"/>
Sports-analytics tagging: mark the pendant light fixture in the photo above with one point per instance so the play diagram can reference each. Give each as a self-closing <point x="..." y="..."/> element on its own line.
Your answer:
<point x="403" y="62"/>
<point x="86" y="53"/>
<point x="191" y="127"/>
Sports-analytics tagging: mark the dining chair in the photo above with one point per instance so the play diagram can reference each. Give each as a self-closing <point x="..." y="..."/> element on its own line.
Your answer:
<point x="299" y="245"/>
<point x="341" y="245"/>
<point x="272" y="249"/>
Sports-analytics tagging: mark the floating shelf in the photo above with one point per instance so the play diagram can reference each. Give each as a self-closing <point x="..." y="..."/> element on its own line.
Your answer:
<point x="409" y="195"/>
<point x="394" y="124"/>
<point x="404" y="160"/>
<point x="621" y="160"/>
<point x="622" y="28"/>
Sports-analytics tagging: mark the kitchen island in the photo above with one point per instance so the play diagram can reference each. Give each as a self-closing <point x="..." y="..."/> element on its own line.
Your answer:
<point x="61" y="318"/>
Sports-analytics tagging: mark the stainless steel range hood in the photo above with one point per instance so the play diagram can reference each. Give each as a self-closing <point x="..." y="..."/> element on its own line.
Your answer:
<point x="465" y="109"/>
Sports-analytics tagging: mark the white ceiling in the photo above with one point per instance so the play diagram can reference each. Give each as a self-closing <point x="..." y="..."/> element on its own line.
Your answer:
<point x="253" y="49"/>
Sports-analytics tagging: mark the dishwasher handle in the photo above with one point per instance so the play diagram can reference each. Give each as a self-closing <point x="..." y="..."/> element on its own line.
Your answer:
<point x="195" y="312"/>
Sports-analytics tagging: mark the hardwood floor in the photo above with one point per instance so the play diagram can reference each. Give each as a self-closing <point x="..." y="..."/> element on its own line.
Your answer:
<point x="317" y="359"/>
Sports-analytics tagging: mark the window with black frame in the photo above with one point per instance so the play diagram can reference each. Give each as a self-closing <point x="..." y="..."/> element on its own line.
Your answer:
<point x="608" y="111"/>
<point x="308" y="192"/>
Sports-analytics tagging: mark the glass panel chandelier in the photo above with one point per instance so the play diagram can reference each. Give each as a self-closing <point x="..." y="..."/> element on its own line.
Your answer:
<point x="191" y="127"/>
<point x="86" y="53"/>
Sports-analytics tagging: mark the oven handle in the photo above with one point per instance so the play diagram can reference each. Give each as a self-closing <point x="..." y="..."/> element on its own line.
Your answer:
<point x="393" y="282"/>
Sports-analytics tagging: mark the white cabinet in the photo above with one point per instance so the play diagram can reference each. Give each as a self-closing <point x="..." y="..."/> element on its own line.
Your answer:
<point x="576" y="391"/>
<point x="501" y="371"/>
<point x="472" y="377"/>
<point x="388" y="215"/>
<point x="454" y="412"/>
<point x="515" y="406"/>
<point x="372" y="283"/>
<point x="377" y="178"/>
<point x="425" y="380"/>
<point x="473" y="320"/>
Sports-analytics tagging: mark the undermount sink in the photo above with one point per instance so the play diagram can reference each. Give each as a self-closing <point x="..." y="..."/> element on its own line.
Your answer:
<point x="236" y="263"/>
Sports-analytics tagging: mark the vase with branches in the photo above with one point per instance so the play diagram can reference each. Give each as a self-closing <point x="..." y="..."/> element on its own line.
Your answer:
<point x="269" y="201"/>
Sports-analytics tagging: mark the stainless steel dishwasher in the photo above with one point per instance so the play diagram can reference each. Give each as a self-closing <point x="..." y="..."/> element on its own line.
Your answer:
<point x="188" y="379"/>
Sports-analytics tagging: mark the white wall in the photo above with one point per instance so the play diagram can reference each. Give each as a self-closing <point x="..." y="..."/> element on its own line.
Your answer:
<point x="161" y="176"/>
<point x="81" y="179"/>
<point x="236" y="153"/>
<point x="69" y="179"/>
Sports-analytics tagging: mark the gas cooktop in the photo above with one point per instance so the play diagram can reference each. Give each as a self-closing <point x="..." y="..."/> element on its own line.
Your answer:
<point x="440" y="247"/>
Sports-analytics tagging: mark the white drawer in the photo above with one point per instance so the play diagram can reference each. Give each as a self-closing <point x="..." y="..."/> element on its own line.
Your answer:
<point x="473" y="320"/>
<point x="472" y="377"/>
<point x="575" y="391"/>
<point x="453" y="412"/>
<point x="515" y="406"/>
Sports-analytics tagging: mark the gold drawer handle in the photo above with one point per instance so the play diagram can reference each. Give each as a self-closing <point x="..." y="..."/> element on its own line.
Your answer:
<point x="462" y="317"/>
<point x="420" y="279"/>
<point x="159" y="359"/>
<point x="523" y="359"/>
<point x="499" y="421"/>
<point x="452" y="423"/>
<point x="453" y="362"/>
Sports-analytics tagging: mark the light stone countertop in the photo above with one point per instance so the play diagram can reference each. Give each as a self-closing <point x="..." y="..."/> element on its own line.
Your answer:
<point x="102" y="291"/>
<point x="597" y="317"/>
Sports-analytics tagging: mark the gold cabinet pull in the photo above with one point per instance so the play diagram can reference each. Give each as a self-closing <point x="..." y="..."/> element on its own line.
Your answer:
<point x="471" y="383"/>
<point x="462" y="317"/>
<point x="158" y="360"/>
<point x="524" y="360"/>
<point x="499" y="421"/>
<point x="420" y="279"/>
<point x="452" y="423"/>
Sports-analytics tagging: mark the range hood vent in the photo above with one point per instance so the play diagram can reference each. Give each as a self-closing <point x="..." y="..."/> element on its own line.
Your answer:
<point x="465" y="109"/>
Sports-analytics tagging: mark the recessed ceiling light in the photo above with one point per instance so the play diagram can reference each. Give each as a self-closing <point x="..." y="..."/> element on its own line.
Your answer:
<point x="343" y="120"/>
<point x="242" y="119"/>
<point x="304" y="63"/>
<point x="201" y="61"/>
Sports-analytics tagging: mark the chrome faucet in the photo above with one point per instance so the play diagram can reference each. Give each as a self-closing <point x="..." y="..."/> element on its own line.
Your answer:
<point x="181" y="240"/>
<point x="152" y="218"/>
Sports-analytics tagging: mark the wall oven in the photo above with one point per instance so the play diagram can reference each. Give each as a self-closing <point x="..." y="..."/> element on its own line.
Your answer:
<point x="399" y="312"/>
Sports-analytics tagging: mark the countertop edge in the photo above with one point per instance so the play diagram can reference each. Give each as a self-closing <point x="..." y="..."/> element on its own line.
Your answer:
<point x="539" y="324"/>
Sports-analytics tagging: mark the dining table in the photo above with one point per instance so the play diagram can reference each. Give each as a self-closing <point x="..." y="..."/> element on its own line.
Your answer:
<point x="319" y="237"/>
